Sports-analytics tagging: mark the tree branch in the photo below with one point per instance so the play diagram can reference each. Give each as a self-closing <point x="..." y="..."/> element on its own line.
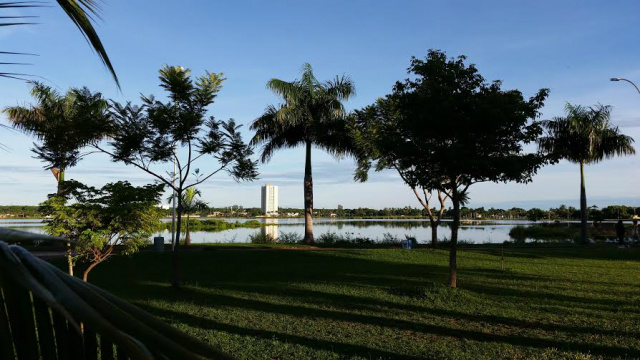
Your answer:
<point x="188" y="166"/>
<point x="136" y="165"/>
<point x="207" y="177"/>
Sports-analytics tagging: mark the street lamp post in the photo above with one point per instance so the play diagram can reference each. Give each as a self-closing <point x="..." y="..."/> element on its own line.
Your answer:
<point x="629" y="81"/>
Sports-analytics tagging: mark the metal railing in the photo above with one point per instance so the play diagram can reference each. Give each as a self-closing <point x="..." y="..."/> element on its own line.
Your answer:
<point x="48" y="314"/>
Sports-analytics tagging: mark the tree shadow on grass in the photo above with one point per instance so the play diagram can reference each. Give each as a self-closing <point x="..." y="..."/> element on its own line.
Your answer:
<point x="261" y="274"/>
<point x="343" y="349"/>
<point x="352" y="349"/>
<point x="593" y="252"/>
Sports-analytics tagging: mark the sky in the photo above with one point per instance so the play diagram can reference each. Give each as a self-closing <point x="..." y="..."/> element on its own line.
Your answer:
<point x="570" y="47"/>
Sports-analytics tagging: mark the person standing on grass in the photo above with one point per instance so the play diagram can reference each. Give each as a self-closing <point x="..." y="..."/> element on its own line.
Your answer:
<point x="634" y="230"/>
<point x="620" y="232"/>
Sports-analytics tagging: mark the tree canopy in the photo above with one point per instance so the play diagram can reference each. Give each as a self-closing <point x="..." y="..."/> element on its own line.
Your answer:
<point x="446" y="128"/>
<point x="64" y="123"/>
<point x="155" y="134"/>
<point x="99" y="219"/>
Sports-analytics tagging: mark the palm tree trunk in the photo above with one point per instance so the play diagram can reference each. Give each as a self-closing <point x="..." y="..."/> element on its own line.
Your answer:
<point x="175" y="282"/>
<point x="453" y="266"/>
<point x="187" y="237"/>
<point x="583" y="207"/>
<point x="60" y="178"/>
<point x="308" y="197"/>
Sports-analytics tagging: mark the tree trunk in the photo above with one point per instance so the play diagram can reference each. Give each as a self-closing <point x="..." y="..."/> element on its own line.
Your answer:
<point x="583" y="207"/>
<point x="453" y="267"/>
<point x="60" y="178"/>
<point x="85" y="274"/>
<point x="434" y="233"/>
<point x="187" y="237"/>
<point x="308" y="198"/>
<point x="175" y="281"/>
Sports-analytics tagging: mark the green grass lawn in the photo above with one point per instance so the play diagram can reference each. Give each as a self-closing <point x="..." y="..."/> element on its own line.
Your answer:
<point x="577" y="303"/>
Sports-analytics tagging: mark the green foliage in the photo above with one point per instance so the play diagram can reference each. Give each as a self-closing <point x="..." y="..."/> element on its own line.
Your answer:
<point x="312" y="112"/>
<point x="289" y="238"/>
<point x="447" y="128"/>
<point x="332" y="239"/>
<point x="213" y="225"/>
<point x="81" y="12"/>
<point x="262" y="238"/>
<point x="20" y="211"/>
<point x="63" y="123"/>
<point x="561" y="232"/>
<point x="536" y="214"/>
<point x="189" y="202"/>
<point x="159" y="132"/>
<point x="545" y="232"/>
<point x="99" y="219"/>
<point x="585" y="135"/>
<point x="147" y="134"/>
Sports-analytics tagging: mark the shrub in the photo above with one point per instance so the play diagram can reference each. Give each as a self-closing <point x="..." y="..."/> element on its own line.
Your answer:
<point x="290" y="238"/>
<point x="261" y="238"/>
<point x="544" y="232"/>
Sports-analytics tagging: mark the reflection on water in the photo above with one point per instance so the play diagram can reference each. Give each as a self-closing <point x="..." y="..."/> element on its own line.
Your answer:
<point x="375" y="229"/>
<point x="270" y="229"/>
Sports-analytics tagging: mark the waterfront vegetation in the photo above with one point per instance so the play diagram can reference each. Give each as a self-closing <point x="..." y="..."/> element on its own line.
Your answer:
<point x="560" y="232"/>
<point x="212" y="225"/>
<point x="559" y="213"/>
<point x="547" y="303"/>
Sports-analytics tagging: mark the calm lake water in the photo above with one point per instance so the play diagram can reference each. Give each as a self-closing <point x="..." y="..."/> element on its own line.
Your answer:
<point x="376" y="229"/>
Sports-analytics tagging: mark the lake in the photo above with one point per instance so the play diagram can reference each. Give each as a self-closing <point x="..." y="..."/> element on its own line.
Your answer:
<point x="479" y="232"/>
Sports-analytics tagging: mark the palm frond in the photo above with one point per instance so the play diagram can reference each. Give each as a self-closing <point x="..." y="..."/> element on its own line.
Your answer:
<point x="288" y="91"/>
<point x="311" y="112"/>
<point x="584" y="135"/>
<point x="81" y="12"/>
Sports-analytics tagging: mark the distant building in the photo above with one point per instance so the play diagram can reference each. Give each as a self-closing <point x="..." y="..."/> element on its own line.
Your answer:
<point x="269" y="199"/>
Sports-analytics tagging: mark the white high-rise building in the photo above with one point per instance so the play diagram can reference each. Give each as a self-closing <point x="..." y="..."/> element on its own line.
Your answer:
<point x="269" y="199"/>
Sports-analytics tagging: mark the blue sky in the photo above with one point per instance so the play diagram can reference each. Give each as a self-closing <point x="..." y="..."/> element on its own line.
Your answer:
<point x="571" y="47"/>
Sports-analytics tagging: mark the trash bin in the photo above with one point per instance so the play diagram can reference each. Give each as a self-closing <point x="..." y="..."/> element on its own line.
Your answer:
<point x="158" y="243"/>
<point x="406" y="244"/>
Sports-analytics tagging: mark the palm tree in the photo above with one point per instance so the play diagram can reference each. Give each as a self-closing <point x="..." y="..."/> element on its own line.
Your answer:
<point x="63" y="123"/>
<point x="189" y="206"/>
<point x="312" y="115"/>
<point x="584" y="136"/>
<point x="81" y="12"/>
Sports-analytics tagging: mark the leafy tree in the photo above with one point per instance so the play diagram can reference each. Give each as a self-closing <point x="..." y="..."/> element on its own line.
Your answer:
<point x="376" y="122"/>
<point x="64" y="124"/>
<point x="452" y="129"/>
<point x="178" y="130"/>
<point x="81" y="12"/>
<point x="536" y="214"/>
<point x="584" y="136"/>
<point x="118" y="214"/>
<point x="312" y="115"/>
<point x="595" y="215"/>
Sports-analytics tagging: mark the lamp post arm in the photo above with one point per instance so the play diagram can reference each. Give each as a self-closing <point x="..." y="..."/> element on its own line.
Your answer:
<point x="634" y="85"/>
<point x="630" y="82"/>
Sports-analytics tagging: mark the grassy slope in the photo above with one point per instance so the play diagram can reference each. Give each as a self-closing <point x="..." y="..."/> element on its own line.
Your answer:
<point x="546" y="304"/>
